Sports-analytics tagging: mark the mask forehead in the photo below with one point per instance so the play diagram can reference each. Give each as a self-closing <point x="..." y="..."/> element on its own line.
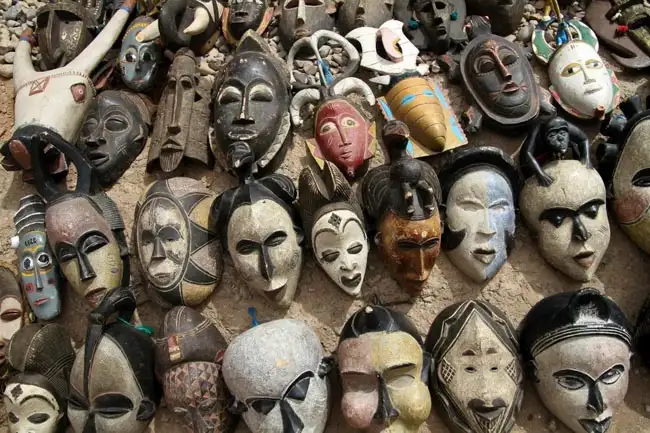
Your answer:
<point x="68" y="220"/>
<point x="30" y="398"/>
<point x="380" y="351"/>
<point x="252" y="222"/>
<point x="477" y="337"/>
<point x="485" y="185"/>
<point x="334" y="227"/>
<point x="396" y="228"/>
<point x="336" y="108"/>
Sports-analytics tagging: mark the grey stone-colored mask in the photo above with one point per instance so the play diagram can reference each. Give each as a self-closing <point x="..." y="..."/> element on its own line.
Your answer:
<point x="301" y="18"/>
<point x="364" y="13"/>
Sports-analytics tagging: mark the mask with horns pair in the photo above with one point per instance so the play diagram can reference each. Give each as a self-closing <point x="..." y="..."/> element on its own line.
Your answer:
<point x="403" y="200"/>
<point x="260" y="229"/>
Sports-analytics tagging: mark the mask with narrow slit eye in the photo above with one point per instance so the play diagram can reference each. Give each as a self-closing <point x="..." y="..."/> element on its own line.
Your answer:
<point x="364" y="13"/>
<point x="11" y="309"/>
<point x="277" y="372"/>
<point x="301" y="18"/>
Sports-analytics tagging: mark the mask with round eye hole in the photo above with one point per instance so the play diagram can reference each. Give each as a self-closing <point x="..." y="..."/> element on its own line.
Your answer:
<point x="477" y="382"/>
<point x="139" y="61"/>
<point x="301" y="18"/>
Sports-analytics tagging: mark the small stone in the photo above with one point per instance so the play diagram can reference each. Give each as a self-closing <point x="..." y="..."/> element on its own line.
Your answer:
<point x="540" y="4"/>
<point x="325" y="50"/>
<point x="646" y="407"/>
<point x="338" y="59"/>
<point x="552" y="425"/>
<point x="435" y="67"/>
<point x="6" y="71"/>
<point x="537" y="17"/>
<point x="334" y="44"/>
<point x="511" y="38"/>
<point x="301" y="64"/>
<point x="525" y="34"/>
<point x="533" y="23"/>
<point x="276" y="39"/>
<point x="14" y="13"/>
<point x="311" y="80"/>
<point x="300" y="77"/>
<point x="5" y="4"/>
<point x="12" y="23"/>
<point x="9" y="57"/>
<point x="30" y="14"/>
<point x="311" y="69"/>
<point x="529" y="8"/>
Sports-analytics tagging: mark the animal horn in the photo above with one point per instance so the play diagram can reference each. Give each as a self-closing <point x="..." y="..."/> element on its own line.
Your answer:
<point x="354" y="85"/>
<point x="149" y="33"/>
<point x="301" y="99"/>
<point x="200" y="23"/>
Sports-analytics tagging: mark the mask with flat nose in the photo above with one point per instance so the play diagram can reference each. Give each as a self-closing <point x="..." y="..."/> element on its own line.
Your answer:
<point x="301" y="18"/>
<point x="434" y="17"/>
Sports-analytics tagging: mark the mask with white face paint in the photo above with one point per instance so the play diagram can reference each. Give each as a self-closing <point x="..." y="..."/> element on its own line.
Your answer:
<point x="333" y="222"/>
<point x="31" y="408"/>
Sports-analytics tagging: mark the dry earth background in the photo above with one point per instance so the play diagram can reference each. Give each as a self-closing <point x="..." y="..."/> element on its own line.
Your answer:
<point x="624" y="275"/>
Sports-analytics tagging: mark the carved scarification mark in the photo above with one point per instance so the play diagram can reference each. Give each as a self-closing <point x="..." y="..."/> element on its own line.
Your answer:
<point x="38" y="86"/>
<point x="447" y="371"/>
<point x="335" y="220"/>
<point x="513" y="371"/>
<point x="16" y="392"/>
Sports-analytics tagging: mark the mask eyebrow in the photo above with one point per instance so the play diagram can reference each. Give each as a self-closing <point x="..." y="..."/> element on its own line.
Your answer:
<point x="40" y="397"/>
<point x="596" y="202"/>
<point x="400" y="366"/>
<point x="325" y="230"/>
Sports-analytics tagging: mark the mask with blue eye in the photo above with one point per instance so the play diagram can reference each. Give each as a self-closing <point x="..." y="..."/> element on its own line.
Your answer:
<point x="139" y="61"/>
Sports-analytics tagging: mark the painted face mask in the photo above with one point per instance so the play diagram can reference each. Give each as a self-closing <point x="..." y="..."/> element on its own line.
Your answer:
<point x="36" y="396"/>
<point x="477" y="382"/>
<point x="333" y="223"/>
<point x="243" y="15"/>
<point x="252" y="104"/>
<point x="139" y="61"/>
<point x="480" y="186"/>
<point x="505" y="15"/>
<point x="180" y="256"/>
<point x="284" y="387"/>
<point x="403" y="199"/>
<point x="434" y="19"/>
<point x="114" y="133"/>
<point x="188" y="364"/>
<point x="363" y="13"/>
<point x="576" y="346"/>
<point x="38" y="268"/>
<point x="384" y="372"/>
<point x="182" y="122"/>
<point x="113" y="388"/>
<point x="11" y="311"/>
<point x="581" y="83"/>
<point x="301" y="18"/>
<point x="572" y="229"/>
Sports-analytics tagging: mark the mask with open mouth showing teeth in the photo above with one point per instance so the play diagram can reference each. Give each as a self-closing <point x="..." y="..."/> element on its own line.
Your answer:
<point x="114" y="133"/>
<point x="384" y="372"/>
<point x="278" y="374"/>
<point x="576" y="347"/>
<point x="480" y="186"/>
<point x="180" y="256"/>
<point x="477" y="381"/>
<point x="572" y="230"/>
<point x="333" y="223"/>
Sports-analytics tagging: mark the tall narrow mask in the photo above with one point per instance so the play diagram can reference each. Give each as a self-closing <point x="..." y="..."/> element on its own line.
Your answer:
<point x="139" y="61"/>
<point x="38" y="266"/>
<point x="477" y="380"/>
<point x="363" y="13"/>
<point x="243" y="15"/>
<point x="480" y="187"/>
<point x="277" y="372"/>
<point x="182" y="122"/>
<point x="384" y="372"/>
<point x="301" y="18"/>
<point x="576" y="347"/>
<point x="334" y="226"/>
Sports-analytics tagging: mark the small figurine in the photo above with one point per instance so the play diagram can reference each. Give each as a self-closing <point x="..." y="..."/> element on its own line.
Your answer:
<point x="114" y="132"/>
<point x="243" y="15"/>
<point x="334" y="226"/>
<point x="572" y="229"/>
<point x="189" y="354"/>
<point x="11" y="313"/>
<point x="181" y="257"/>
<point x="505" y="16"/>
<point x="260" y="229"/>
<point x="548" y="141"/>
<point x="384" y="372"/>
<point x="139" y="61"/>
<point x="580" y="82"/>
<point x="403" y="199"/>
<point x="181" y="128"/>
<point x="476" y="381"/>
<point x="480" y="188"/>
<point x="113" y="387"/>
<point x="576" y="347"/>
<point x="353" y="14"/>
<point x="36" y="395"/>
<point x="252" y="104"/>
<point x="277" y="372"/>
<point x="38" y="267"/>
<point x="302" y="18"/>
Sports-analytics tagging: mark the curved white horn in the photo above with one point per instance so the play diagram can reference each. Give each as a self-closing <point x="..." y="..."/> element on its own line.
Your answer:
<point x="149" y="33"/>
<point x="301" y="99"/>
<point x="353" y="84"/>
<point x="200" y="23"/>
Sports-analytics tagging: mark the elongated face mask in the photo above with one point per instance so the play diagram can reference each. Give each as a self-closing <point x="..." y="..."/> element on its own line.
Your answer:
<point x="31" y="408"/>
<point x="364" y="13"/>
<point x="39" y="274"/>
<point x="139" y="61"/>
<point x="301" y="18"/>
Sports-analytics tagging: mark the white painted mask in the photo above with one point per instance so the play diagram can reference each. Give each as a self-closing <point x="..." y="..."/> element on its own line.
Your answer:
<point x="569" y="217"/>
<point x="31" y="409"/>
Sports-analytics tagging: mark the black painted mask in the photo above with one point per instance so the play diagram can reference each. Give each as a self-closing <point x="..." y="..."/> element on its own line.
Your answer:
<point x="245" y="15"/>
<point x="114" y="133"/>
<point x="434" y="17"/>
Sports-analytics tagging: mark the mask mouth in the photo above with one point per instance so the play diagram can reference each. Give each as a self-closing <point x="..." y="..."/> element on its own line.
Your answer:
<point x="163" y="277"/>
<point x="241" y="134"/>
<point x="593" y="426"/>
<point x="40" y="301"/>
<point x="510" y="87"/>
<point x="97" y="158"/>
<point x="585" y="258"/>
<point x="594" y="88"/>
<point x="94" y="297"/>
<point x="276" y="294"/>
<point x="301" y="33"/>
<point x="351" y="282"/>
<point x="484" y="255"/>
<point x="240" y="17"/>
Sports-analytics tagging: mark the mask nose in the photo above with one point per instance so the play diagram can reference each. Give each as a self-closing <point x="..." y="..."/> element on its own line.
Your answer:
<point x="86" y="270"/>
<point x="39" y="281"/>
<point x="302" y="15"/>
<point x="595" y="401"/>
<point x="348" y="264"/>
<point x="486" y="227"/>
<point x="385" y="413"/>
<point x="291" y="422"/>
<point x="244" y="118"/>
<point x="580" y="232"/>
<point x="95" y="141"/>
<point x="158" y="250"/>
<point x="266" y="265"/>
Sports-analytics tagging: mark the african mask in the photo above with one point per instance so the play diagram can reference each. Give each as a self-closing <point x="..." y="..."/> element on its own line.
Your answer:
<point x="576" y="348"/>
<point x="180" y="256"/>
<point x="188" y="364"/>
<point x="181" y="128"/>
<point x="505" y="15"/>
<point x="363" y="13"/>
<point x="480" y="186"/>
<point x="277" y="372"/>
<point x="477" y="381"/>
<point x="252" y="104"/>
<point x="11" y="310"/>
<point x="243" y="15"/>
<point x="113" y="387"/>
<point x="434" y="18"/>
<point x="499" y="79"/>
<point x="114" y="133"/>
<point x="403" y="198"/>
<point x="36" y="396"/>
<point x="580" y="82"/>
<point x="260" y="230"/>
<point x="38" y="268"/>
<point x="301" y="18"/>
<point x="572" y="229"/>
<point x="384" y="372"/>
<point x="334" y="226"/>
<point x="139" y="61"/>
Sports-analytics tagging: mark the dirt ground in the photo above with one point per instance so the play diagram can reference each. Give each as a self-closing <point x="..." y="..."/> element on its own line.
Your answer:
<point x="624" y="275"/>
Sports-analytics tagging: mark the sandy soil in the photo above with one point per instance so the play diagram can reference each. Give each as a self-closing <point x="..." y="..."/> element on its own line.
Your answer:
<point x="523" y="281"/>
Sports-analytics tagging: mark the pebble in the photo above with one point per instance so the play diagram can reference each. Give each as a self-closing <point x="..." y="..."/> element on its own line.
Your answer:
<point x="511" y="38"/>
<point x="5" y="4"/>
<point x="300" y="77"/>
<point x="15" y="12"/>
<point x="310" y="69"/>
<point x="338" y="59"/>
<point x="435" y="67"/>
<point x="529" y="8"/>
<point x="30" y="14"/>
<point x="301" y="64"/>
<point x="325" y="50"/>
<point x="6" y="71"/>
<point x="12" y="23"/>
<point x="552" y="425"/>
<point x="524" y="35"/>
<point x="9" y="57"/>
<point x="646" y="407"/>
